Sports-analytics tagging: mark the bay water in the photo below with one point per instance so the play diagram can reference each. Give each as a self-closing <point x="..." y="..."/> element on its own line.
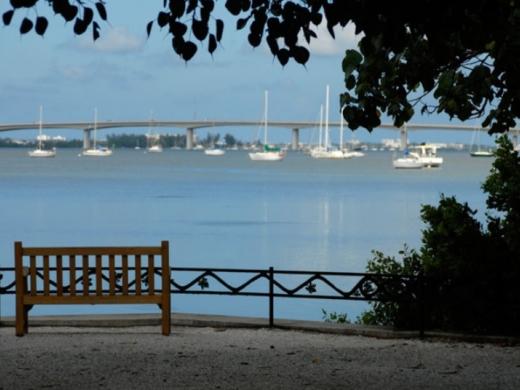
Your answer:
<point x="298" y="214"/>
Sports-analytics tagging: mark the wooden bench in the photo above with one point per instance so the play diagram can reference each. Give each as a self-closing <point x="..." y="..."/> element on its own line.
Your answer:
<point x="120" y="275"/>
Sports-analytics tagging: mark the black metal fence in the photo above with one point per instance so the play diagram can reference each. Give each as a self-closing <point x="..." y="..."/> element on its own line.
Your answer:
<point x="269" y="283"/>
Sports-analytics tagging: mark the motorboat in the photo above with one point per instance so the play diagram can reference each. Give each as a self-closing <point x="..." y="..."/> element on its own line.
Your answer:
<point x="269" y="152"/>
<point x="95" y="151"/>
<point x="214" y="152"/>
<point x="407" y="161"/>
<point x="427" y="155"/>
<point x="40" y="151"/>
<point x="325" y="153"/>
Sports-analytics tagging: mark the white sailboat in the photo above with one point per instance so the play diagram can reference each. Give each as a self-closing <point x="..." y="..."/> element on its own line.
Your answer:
<point x="346" y="153"/>
<point x="478" y="151"/>
<point x="95" y="151"/>
<point x="214" y="152"/>
<point x="153" y="141"/>
<point x="154" y="145"/>
<point x="39" y="151"/>
<point x="269" y="153"/>
<point x="325" y="150"/>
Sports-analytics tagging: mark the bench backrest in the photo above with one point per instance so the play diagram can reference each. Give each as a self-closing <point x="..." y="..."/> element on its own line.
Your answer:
<point x="91" y="272"/>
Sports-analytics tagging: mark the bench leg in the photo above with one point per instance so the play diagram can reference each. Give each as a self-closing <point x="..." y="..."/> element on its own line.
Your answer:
<point x="21" y="320"/>
<point x="26" y="319"/>
<point x="165" y="318"/>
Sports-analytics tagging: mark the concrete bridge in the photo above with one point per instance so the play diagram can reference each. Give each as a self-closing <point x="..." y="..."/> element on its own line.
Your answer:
<point x="191" y="126"/>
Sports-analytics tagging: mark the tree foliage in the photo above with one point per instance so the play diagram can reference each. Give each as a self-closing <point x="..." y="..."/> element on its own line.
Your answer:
<point x="470" y="273"/>
<point x="465" y="54"/>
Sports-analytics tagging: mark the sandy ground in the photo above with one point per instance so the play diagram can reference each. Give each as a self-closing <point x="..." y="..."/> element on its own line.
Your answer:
<point x="206" y="358"/>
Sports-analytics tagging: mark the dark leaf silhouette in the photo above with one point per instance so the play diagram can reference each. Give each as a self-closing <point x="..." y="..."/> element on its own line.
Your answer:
<point x="163" y="19"/>
<point x="101" y="10"/>
<point x="80" y="26"/>
<point x="149" y="28"/>
<point x="200" y="29"/>
<point x="7" y="17"/>
<point x="219" y="29"/>
<point x="178" y="28"/>
<point x="188" y="51"/>
<point x="88" y="15"/>
<point x="283" y="56"/>
<point x="273" y="44"/>
<point x="177" y="7"/>
<point x="234" y="6"/>
<point x="95" y="31"/>
<point x="23" y="3"/>
<point x="26" y="26"/>
<point x="254" y="39"/>
<point x="69" y="13"/>
<point x="300" y="54"/>
<point x="41" y="25"/>
<point x="192" y="4"/>
<point x="212" y="43"/>
<point x="241" y="23"/>
<point x="178" y="44"/>
<point x="208" y="4"/>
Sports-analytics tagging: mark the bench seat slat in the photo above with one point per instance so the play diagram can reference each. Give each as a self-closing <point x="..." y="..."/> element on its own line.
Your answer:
<point x="59" y="275"/>
<point x="72" y="277"/>
<point x="46" y="272"/>
<point x="32" y="272"/>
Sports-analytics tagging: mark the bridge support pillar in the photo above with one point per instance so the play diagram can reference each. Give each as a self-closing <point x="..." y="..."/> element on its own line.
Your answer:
<point x="295" y="144"/>
<point x="404" y="137"/>
<point x="189" y="139"/>
<point x="86" y="139"/>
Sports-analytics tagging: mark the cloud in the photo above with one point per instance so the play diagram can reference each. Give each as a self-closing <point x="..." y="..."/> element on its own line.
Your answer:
<point x="116" y="40"/>
<point x="326" y="45"/>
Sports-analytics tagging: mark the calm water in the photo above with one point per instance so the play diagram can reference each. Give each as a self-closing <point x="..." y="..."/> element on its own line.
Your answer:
<point x="226" y="212"/>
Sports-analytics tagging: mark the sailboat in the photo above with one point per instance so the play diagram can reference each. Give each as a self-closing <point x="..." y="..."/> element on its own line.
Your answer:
<point x="154" y="143"/>
<point x="347" y="153"/>
<point x="95" y="151"/>
<point x="153" y="140"/>
<point x="478" y="152"/>
<point x="269" y="153"/>
<point x="325" y="151"/>
<point x="39" y="151"/>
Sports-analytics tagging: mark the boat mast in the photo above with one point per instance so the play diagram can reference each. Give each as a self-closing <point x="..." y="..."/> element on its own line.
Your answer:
<point x="265" y="118"/>
<point x="40" y="128"/>
<point x="321" y="126"/>
<point x="341" y="130"/>
<point x="95" y="126"/>
<point x="327" y="118"/>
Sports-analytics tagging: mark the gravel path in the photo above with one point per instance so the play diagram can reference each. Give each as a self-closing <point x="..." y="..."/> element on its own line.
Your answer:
<point x="206" y="358"/>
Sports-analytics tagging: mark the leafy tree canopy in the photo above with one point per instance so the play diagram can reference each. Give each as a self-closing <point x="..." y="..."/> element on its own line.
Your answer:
<point x="465" y="54"/>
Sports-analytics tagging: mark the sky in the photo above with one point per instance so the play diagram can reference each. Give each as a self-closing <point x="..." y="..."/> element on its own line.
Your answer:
<point x="129" y="77"/>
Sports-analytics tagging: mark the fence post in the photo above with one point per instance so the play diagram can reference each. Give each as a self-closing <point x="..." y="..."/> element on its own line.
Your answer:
<point x="271" y="297"/>
<point x="422" y="304"/>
